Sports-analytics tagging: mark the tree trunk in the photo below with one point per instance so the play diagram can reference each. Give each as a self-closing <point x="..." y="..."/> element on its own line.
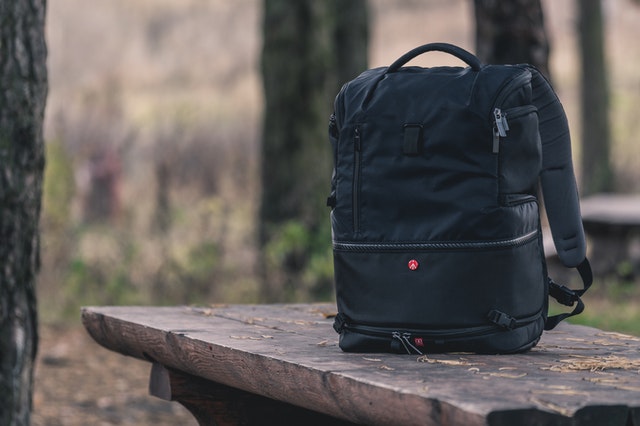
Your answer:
<point x="597" y="175"/>
<point x="349" y="42"/>
<point x="511" y="32"/>
<point x="310" y="49"/>
<point x="23" y="90"/>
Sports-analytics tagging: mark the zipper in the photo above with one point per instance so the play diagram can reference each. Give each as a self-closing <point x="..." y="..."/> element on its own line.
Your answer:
<point x="512" y="200"/>
<point x="405" y="341"/>
<point x="357" y="148"/>
<point x="501" y="125"/>
<point x="333" y="138"/>
<point x="498" y="118"/>
<point x="409" y="338"/>
<point x="522" y="78"/>
<point x="434" y="334"/>
<point x="435" y="245"/>
<point x="500" y="128"/>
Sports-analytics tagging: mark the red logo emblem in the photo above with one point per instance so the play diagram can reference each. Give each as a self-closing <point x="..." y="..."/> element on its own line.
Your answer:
<point x="413" y="264"/>
<point x="418" y="341"/>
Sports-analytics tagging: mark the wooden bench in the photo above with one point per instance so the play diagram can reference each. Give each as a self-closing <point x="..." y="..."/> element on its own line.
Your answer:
<point x="612" y="223"/>
<point x="280" y="364"/>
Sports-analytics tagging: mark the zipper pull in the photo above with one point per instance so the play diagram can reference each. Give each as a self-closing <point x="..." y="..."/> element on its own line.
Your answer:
<point x="407" y="338"/>
<point x="333" y="128"/>
<point x="397" y="336"/>
<point x="357" y="139"/>
<point x="501" y="122"/>
<point x="505" y="123"/>
<point x="500" y="128"/>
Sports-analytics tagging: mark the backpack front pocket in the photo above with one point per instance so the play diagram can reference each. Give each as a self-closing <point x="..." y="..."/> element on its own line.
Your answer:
<point x="520" y="153"/>
<point x="439" y="285"/>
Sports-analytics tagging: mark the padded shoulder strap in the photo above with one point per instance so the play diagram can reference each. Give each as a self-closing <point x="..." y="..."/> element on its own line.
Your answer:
<point x="557" y="178"/>
<point x="560" y="194"/>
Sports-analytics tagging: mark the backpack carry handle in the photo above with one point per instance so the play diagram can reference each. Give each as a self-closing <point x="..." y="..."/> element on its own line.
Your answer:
<point x="456" y="51"/>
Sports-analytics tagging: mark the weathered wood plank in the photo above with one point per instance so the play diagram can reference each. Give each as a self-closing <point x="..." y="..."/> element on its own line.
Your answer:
<point x="612" y="223"/>
<point x="215" y="404"/>
<point x="611" y="209"/>
<point x="576" y="376"/>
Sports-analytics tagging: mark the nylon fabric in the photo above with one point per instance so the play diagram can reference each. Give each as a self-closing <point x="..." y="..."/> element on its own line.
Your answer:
<point x="435" y="217"/>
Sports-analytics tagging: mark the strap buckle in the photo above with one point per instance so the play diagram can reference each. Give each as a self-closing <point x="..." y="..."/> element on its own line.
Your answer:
<point x="503" y="320"/>
<point x="562" y="294"/>
<point x="339" y="323"/>
<point x="568" y="297"/>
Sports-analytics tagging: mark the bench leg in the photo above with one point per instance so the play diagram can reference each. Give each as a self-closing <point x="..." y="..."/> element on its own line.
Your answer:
<point x="215" y="404"/>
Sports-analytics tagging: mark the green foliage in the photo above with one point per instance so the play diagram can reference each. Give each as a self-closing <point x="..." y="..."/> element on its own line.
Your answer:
<point x="99" y="275"/>
<point x="204" y="194"/>
<point x="58" y="188"/>
<point x="190" y="277"/>
<point x="611" y="305"/>
<point x="203" y="259"/>
<point x="307" y="256"/>
<point x="289" y="243"/>
<point x="123" y="259"/>
<point x="112" y="268"/>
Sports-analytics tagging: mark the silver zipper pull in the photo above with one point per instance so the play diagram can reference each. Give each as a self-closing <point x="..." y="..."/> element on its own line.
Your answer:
<point x="396" y="335"/>
<point x="501" y="122"/>
<point x="505" y="124"/>
<point x="496" y="140"/>
<point x="407" y="338"/>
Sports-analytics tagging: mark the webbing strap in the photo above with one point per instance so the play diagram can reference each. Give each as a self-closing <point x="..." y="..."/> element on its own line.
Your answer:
<point x="569" y="297"/>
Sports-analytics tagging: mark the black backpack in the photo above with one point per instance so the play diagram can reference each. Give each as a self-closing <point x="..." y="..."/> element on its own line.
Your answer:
<point x="435" y="214"/>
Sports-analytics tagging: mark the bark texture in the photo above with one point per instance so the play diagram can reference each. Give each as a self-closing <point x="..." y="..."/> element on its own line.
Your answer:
<point x="23" y="90"/>
<point x="512" y="32"/>
<point x="597" y="173"/>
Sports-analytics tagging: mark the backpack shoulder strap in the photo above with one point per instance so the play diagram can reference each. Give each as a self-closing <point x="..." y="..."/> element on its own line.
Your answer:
<point x="557" y="178"/>
<point x="560" y="193"/>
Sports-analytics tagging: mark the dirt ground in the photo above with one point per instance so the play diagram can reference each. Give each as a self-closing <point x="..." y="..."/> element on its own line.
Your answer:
<point x="78" y="382"/>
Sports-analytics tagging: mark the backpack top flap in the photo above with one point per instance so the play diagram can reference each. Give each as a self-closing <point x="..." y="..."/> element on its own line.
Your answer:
<point x="557" y="177"/>
<point x="425" y="131"/>
<point x="482" y="82"/>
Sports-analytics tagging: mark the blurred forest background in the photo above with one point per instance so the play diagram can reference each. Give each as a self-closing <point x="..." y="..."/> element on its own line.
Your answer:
<point x="153" y="133"/>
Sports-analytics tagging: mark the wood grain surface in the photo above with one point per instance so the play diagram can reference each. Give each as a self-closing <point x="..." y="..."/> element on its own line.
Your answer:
<point x="575" y="376"/>
<point x="611" y="209"/>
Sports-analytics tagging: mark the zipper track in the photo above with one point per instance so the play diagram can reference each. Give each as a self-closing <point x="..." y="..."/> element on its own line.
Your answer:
<point x="498" y="130"/>
<point x="357" y="148"/>
<point x="519" y="111"/>
<point x="435" y="245"/>
<point x="452" y="333"/>
<point x="506" y="90"/>
<point x="404" y="335"/>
